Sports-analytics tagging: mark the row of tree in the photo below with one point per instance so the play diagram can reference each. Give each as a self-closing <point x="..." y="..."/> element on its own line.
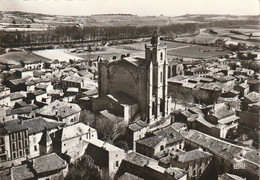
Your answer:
<point x="69" y="34"/>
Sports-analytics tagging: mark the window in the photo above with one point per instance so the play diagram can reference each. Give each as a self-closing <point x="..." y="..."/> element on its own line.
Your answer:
<point x="20" y="153"/>
<point x="13" y="136"/>
<point x="116" y="164"/>
<point x="35" y="148"/>
<point x="161" y="148"/>
<point x="64" y="144"/>
<point x="71" y="120"/>
<point x="194" y="172"/>
<point x="13" y="147"/>
<point x="14" y="155"/>
<point x="200" y="171"/>
<point x="20" y="145"/>
<point x="161" y="56"/>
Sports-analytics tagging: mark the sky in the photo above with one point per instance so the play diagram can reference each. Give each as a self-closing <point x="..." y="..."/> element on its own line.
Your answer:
<point x="136" y="7"/>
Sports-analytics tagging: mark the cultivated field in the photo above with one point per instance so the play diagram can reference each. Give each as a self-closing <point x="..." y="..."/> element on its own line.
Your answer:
<point x="174" y="49"/>
<point x="246" y="34"/>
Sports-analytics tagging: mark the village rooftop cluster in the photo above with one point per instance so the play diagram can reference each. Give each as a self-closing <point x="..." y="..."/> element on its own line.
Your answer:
<point x="130" y="117"/>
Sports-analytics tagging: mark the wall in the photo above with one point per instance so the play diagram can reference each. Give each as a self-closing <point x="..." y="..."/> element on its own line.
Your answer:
<point x="249" y="119"/>
<point x="115" y="159"/>
<point x="71" y="119"/>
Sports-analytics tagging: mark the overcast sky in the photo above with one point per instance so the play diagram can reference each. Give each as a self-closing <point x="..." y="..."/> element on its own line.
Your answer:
<point x="137" y="7"/>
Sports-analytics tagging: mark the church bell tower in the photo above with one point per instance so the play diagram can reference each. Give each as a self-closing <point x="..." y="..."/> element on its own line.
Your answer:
<point x="156" y="58"/>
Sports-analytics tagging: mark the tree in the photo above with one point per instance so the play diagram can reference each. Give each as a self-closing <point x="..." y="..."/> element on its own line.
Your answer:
<point x="122" y="145"/>
<point x="200" y="95"/>
<point x="84" y="169"/>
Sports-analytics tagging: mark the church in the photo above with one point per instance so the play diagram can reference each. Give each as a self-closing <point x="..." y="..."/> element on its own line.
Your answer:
<point x="135" y="88"/>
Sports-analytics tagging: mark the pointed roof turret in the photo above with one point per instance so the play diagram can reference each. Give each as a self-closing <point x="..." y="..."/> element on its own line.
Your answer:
<point x="45" y="139"/>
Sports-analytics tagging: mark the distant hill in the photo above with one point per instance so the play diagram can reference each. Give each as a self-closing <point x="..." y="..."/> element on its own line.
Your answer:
<point x="19" y="17"/>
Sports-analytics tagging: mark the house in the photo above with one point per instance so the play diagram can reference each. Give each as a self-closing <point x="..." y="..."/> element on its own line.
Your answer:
<point x="49" y="166"/>
<point x="226" y="83"/>
<point x="16" y="97"/>
<point x="151" y="146"/>
<point x="105" y="155"/>
<point x="35" y="65"/>
<point x="227" y="157"/>
<point x="194" y="162"/>
<point x="199" y="71"/>
<point x="249" y="114"/>
<point x="243" y="88"/>
<point x="147" y="168"/>
<point x="254" y="85"/>
<point x="224" y="119"/>
<point x="60" y="111"/>
<point x="174" y="139"/>
<point x="5" y="96"/>
<point x="17" y="84"/>
<point x="14" y="141"/>
<point x="37" y="128"/>
<point x="129" y="176"/>
<point x="72" y="140"/>
<point x="252" y="97"/>
<point x="28" y="111"/>
<point x="134" y="132"/>
<point x="73" y="81"/>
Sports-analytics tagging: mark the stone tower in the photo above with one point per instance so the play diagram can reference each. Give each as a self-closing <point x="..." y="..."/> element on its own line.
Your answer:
<point x="156" y="57"/>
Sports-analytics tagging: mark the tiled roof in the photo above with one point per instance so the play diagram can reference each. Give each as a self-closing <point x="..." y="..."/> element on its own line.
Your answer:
<point x="16" y="95"/>
<point x="128" y="176"/>
<point x="24" y="110"/>
<point x="177" y="173"/>
<point x="111" y="116"/>
<point x="135" y="127"/>
<point x="19" y="81"/>
<point x="59" y="109"/>
<point x="39" y="92"/>
<point x="249" y="157"/>
<point x="13" y="126"/>
<point x="48" y="163"/>
<point x="192" y="156"/>
<point x="22" y="103"/>
<point x="253" y="97"/>
<point x="38" y="124"/>
<point x="170" y="133"/>
<point x="74" y="79"/>
<point x="224" y="79"/>
<point x="227" y="176"/>
<point x="72" y="131"/>
<point x="22" y="172"/>
<point x="105" y="146"/>
<point x="150" y="141"/>
<point x="139" y="159"/>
